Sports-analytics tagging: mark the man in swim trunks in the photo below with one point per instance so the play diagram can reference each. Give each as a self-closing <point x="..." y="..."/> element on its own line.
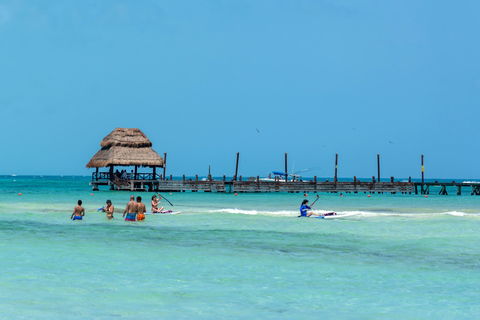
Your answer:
<point x="140" y="209"/>
<point x="78" y="211"/>
<point x="109" y="209"/>
<point x="130" y="210"/>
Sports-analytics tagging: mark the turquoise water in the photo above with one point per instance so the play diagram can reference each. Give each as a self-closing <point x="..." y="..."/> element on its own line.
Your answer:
<point x="245" y="256"/>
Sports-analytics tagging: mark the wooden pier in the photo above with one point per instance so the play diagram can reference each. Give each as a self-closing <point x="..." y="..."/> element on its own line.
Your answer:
<point x="151" y="183"/>
<point x="155" y="183"/>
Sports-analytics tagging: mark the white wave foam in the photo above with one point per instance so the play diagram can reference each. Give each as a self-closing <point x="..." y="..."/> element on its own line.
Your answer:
<point x="282" y="212"/>
<point x="358" y="213"/>
<point x="455" y="213"/>
<point x="254" y="212"/>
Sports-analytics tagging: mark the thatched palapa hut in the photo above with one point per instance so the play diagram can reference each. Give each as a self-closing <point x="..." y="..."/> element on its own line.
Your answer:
<point x="125" y="147"/>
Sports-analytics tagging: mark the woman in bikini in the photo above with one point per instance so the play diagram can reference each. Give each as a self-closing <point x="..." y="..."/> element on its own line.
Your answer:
<point x="109" y="209"/>
<point x="155" y="208"/>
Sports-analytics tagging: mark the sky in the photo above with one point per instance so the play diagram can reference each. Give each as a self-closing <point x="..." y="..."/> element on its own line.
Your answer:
<point x="207" y="79"/>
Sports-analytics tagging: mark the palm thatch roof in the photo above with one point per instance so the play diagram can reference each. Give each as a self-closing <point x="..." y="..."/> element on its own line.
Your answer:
<point x="126" y="147"/>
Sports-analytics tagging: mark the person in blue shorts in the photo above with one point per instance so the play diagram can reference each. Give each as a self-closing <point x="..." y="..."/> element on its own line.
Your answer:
<point x="78" y="211"/>
<point x="130" y="210"/>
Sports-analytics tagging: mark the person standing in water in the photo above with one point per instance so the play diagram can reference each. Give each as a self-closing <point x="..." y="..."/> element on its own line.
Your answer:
<point x="155" y="208"/>
<point x="109" y="209"/>
<point x="78" y="211"/>
<point x="305" y="213"/>
<point x="140" y="209"/>
<point x="130" y="210"/>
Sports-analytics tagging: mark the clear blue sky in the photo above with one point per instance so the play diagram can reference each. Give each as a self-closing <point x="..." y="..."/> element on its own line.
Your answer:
<point x="357" y="78"/>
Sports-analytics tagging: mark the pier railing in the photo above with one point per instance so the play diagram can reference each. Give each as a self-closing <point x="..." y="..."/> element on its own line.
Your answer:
<point x="150" y="182"/>
<point x="96" y="176"/>
<point x="280" y="186"/>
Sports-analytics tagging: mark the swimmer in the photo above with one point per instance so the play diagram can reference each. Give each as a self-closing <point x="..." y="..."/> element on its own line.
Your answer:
<point x="109" y="209"/>
<point x="140" y="209"/>
<point x="130" y="210"/>
<point x="155" y="208"/>
<point x="78" y="211"/>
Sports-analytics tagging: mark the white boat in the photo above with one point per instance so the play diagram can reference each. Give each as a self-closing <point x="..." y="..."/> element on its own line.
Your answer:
<point x="280" y="176"/>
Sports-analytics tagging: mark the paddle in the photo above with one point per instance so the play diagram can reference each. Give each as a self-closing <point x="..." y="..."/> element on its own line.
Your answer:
<point x="164" y="198"/>
<point x="318" y="197"/>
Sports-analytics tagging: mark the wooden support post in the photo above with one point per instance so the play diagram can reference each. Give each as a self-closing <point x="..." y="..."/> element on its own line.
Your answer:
<point x="443" y="191"/>
<point x="378" y="166"/>
<point x="286" y="172"/>
<point x="96" y="175"/>
<point x="135" y="175"/>
<point x="164" y="165"/>
<point x="154" y="173"/>
<point x="110" y="171"/>
<point x="475" y="190"/>
<point x="423" y="169"/>
<point x="392" y="179"/>
<point x="236" y="168"/>
<point x="336" y="167"/>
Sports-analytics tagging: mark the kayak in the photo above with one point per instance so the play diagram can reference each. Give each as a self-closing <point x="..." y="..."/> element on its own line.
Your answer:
<point x="338" y="216"/>
<point x="164" y="212"/>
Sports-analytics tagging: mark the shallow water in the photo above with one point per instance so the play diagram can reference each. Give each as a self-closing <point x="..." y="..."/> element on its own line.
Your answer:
<point x="239" y="256"/>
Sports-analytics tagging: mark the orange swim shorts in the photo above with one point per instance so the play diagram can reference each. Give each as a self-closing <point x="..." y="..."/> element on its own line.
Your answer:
<point x="140" y="216"/>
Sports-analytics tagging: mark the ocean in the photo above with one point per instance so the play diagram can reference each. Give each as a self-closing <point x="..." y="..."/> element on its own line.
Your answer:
<point x="236" y="257"/>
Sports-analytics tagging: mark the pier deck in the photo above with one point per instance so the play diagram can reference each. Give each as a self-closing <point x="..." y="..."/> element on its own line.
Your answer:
<point x="281" y="186"/>
<point x="257" y="185"/>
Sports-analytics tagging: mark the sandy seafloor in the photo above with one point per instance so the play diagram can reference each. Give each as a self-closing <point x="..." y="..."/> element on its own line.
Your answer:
<point x="227" y="256"/>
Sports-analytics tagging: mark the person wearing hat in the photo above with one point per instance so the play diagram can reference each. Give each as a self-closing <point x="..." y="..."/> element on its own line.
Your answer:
<point x="109" y="209"/>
